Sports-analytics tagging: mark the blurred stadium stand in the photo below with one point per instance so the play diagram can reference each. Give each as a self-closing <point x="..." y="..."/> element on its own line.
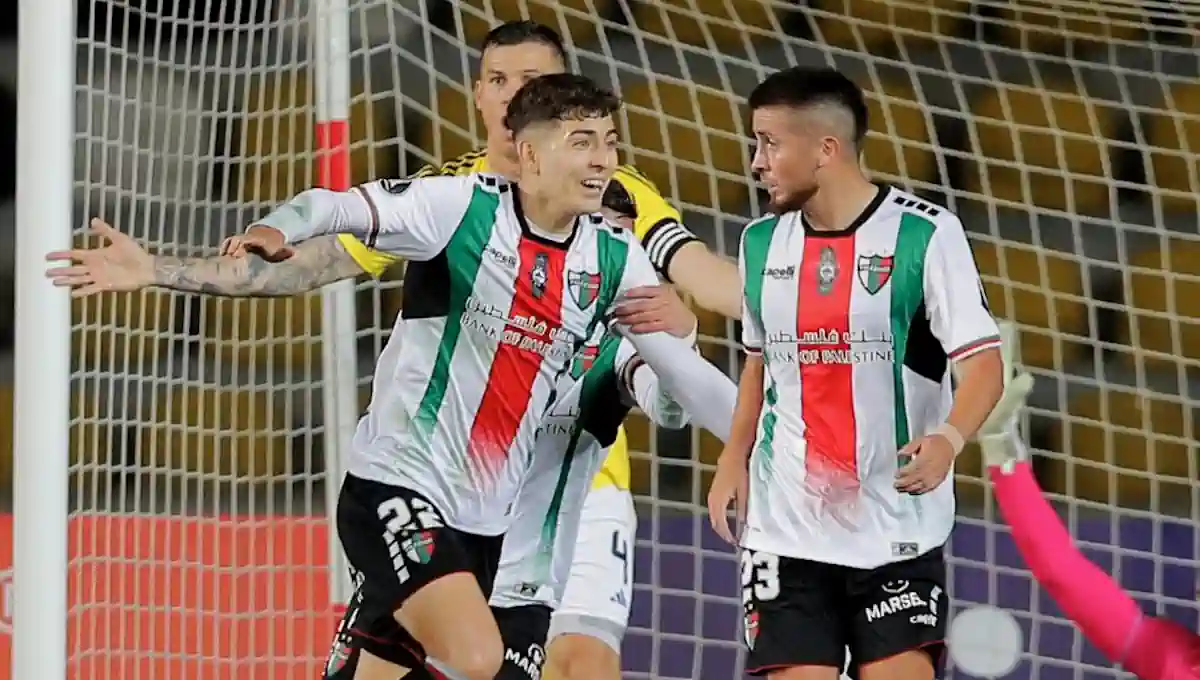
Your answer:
<point x="1068" y="145"/>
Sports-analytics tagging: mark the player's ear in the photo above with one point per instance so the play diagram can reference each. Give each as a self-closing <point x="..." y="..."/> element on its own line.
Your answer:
<point x="526" y="153"/>
<point x="475" y="93"/>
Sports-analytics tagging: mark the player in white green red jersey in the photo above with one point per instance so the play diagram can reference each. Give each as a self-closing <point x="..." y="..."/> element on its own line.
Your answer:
<point x="539" y="556"/>
<point x="504" y="286"/>
<point x="859" y="299"/>
<point x="586" y="644"/>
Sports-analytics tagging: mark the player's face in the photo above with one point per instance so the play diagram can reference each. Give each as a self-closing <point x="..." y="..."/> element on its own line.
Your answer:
<point x="572" y="161"/>
<point x="504" y="69"/>
<point x="789" y="156"/>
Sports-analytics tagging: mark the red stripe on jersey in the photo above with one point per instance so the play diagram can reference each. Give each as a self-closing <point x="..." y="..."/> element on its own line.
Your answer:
<point x="826" y="371"/>
<point x="538" y="298"/>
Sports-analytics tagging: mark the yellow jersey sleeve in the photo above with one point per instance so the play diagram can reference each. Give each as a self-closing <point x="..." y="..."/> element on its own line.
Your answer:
<point x="375" y="262"/>
<point x="657" y="224"/>
<point x="615" y="470"/>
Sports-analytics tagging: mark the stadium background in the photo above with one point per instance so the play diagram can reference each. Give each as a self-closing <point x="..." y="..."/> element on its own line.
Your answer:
<point x="1066" y="134"/>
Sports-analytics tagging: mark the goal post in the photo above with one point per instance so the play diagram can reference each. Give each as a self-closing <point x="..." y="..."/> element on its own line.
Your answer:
<point x="331" y="72"/>
<point x="45" y="211"/>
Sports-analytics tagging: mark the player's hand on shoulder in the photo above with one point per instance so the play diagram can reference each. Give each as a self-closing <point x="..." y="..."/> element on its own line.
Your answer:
<point x="930" y="460"/>
<point x="266" y="242"/>
<point x="654" y="309"/>
<point x="730" y="486"/>
<point x="119" y="264"/>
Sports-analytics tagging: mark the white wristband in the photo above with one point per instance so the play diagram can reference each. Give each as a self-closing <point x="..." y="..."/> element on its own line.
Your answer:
<point x="952" y="435"/>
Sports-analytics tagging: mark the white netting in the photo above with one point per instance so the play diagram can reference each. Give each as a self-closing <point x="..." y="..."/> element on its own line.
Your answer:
<point x="1065" y="135"/>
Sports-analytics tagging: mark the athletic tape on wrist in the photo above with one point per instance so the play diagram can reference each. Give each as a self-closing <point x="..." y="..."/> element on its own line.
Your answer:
<point x="952" y="435"/>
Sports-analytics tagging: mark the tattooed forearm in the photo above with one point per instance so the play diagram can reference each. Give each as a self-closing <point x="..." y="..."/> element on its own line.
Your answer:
<point x="314" y="264"/>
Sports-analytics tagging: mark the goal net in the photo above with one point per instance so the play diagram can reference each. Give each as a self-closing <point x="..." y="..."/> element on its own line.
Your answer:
<point x="206" y="431"/>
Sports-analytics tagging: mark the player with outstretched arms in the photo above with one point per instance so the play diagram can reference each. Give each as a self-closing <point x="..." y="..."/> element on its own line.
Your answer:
<point x="511" y="54"/>
<point x="504" y="285"/>
<point x="858" y="300"/>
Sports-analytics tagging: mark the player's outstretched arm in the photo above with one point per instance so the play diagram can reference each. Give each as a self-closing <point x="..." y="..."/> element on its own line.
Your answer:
<point x="711" y="279"/>
<point x="646" y="391"/>
<point x="683" y="259"/>
<point x="123" y="265"/>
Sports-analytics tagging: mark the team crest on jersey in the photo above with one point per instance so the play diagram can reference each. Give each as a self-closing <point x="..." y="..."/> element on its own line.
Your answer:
<point x="874" y="271"/>
<point x="419" y="547"/>
<point x="827" y="270"/>
<point x="584" y="287"/>
<point x="584" y="360"/>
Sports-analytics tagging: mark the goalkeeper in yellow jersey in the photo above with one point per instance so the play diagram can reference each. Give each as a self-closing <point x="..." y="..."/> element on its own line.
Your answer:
<point x="590" y="618"/>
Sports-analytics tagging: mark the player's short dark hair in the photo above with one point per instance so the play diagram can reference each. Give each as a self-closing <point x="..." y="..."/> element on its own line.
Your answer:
<point x="558" y="97"/>
<point x="800" y="87"/>
<point x="524" y="32"/>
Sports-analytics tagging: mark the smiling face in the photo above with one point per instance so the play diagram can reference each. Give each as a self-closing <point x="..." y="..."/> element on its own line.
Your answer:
<point x="570" y="160"/>
<point x="504" y="69"/>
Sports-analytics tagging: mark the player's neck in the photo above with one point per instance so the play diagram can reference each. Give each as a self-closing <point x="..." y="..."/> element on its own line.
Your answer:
<point x="545" y="213"/>
<point x="836" y="209"/>
<point x="502" y="158"/>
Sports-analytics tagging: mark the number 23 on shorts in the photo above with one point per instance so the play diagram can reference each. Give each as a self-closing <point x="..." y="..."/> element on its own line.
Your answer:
<point x="760" y="576"/>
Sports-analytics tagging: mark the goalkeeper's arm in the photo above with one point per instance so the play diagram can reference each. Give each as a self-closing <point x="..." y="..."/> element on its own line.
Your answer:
<point x="1087" y="595"/>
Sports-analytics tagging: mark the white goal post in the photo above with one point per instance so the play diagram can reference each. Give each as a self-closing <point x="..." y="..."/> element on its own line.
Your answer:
<point x="177" y="456"/>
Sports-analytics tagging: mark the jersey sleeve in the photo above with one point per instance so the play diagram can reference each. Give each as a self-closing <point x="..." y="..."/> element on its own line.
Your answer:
<point x="697" y="386"/>
<point x="389" y="219"/>
<point x="752" y="331"/>
<point x="957" y="305"/>
<point x="658" y="224"/>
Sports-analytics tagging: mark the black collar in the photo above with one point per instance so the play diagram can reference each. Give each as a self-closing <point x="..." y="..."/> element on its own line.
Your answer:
<point x="865" y="215"/>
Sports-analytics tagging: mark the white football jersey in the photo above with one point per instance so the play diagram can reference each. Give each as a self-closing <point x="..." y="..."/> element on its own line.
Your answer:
<point x="494" y="311"/>
<point x="857" y="330"/>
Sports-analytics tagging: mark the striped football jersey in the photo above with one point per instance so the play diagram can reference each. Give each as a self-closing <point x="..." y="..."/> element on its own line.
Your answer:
<point x="857" y="330"/>
<point x="493" y="314"/>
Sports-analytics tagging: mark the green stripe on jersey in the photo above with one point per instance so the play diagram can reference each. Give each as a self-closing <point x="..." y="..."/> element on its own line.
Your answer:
<point x="463" y="254"/>
<point x="756" y="243"/>
<point x="612" y="254"/>
<point x="595" y="390"/>
<point x="908" y="292"/>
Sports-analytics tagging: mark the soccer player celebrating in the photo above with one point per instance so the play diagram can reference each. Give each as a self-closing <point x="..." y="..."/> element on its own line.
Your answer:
<point x="511" y="54"/>
<point x="858" y="300"/>
<point x="505" y="282"/>
<point x="1150" y="647"/>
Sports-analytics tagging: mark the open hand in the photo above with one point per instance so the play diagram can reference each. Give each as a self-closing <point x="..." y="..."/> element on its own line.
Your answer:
<point x="120" y="265"/>
<point x="266" y="242"/>
<point x="730" y="486"/>
<point x="931" y="458"/>
<point x="654" y="309"/>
